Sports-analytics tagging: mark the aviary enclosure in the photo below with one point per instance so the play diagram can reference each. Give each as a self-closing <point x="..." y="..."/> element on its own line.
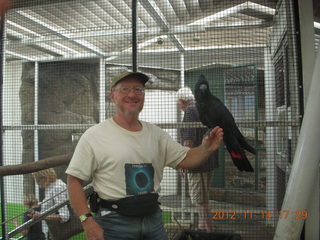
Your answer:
<point x="59" y="57"/>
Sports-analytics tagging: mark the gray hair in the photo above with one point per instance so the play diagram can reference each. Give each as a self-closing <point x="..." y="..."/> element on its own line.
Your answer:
<point x="185" y="94"/>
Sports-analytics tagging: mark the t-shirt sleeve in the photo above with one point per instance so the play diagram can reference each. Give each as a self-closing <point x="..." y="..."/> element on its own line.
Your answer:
<point x="82" y="163"/>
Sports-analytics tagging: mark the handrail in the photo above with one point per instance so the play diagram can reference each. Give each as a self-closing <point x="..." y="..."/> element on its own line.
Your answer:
<point x="259" y="124"/>
<point x="87" y="189"/>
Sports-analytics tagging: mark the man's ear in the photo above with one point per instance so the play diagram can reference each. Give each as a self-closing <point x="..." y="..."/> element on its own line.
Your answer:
<point x="110" y="96"/>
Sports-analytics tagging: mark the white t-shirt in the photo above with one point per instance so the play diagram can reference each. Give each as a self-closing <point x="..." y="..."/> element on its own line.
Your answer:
<point x="123" y="163"/>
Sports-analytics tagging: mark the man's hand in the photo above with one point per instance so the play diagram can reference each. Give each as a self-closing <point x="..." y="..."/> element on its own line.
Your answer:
<point x="92" y="229"/>
<point x="213" y="141"/>
<point x="198" y="155"/>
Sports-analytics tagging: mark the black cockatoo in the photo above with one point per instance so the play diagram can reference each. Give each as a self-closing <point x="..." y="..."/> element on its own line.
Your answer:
<point x="213" y="112"/>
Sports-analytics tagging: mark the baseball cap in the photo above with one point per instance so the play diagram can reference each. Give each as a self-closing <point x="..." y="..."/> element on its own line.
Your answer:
<point x="140" y="76"/>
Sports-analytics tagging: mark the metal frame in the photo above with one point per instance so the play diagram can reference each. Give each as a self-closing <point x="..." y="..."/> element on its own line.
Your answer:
<point x="78" y="48"/>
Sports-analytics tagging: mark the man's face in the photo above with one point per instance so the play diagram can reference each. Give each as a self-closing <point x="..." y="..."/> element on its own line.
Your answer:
<point x="128" y="96"/>
<point x="182" y="105"/>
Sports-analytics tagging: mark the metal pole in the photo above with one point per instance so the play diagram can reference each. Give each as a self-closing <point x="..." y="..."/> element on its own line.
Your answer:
<point x="36" y="119"/>
<point x="182" y="68"/>
<point x="134" y="35"/>
<point x="184" y="179"/>
<point x="3" y="209"/>
<point x="270" y="112"/>
<point x="305" y="168"/>
<point x="36" y="110"/>
<point x="102" y="91"/>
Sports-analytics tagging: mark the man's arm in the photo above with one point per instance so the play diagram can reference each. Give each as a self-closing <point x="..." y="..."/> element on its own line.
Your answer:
<point x="198" y="155"/>
<point x="79" y="203"/>
<point x="77" y="196"/>
<point x="188" y="143"/>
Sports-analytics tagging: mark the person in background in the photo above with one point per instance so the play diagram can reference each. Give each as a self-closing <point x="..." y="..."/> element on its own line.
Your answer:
<point x="199" y="178"/>
<point x="55" y="192"/>
<point x="35" y="231"/>
<point x="125" y="158"/>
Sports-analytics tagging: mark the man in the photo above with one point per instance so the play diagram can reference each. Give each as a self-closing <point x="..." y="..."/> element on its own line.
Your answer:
<point x="125" y="157"/>
<point x="199" y="178"/>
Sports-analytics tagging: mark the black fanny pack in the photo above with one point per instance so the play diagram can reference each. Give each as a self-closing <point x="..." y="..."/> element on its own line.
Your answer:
<point x="134" y="206"/>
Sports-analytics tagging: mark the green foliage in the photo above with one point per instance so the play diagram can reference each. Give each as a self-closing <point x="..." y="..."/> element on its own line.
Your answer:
<point x="79" y="236"/>
<point x="166" y="217"/>
<point x="13" y="210"/>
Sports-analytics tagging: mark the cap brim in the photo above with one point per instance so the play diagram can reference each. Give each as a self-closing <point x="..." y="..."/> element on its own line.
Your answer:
<point x="138" y="75"/>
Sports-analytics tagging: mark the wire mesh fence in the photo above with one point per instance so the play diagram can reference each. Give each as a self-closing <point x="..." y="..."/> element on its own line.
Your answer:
<point x="60" y="57"/>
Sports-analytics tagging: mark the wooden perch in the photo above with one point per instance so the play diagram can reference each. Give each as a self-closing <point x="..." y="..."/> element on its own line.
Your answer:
<point x="30" y="167"/>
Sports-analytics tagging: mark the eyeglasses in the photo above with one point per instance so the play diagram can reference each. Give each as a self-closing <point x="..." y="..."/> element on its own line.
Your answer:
<point x="126" y="90"/>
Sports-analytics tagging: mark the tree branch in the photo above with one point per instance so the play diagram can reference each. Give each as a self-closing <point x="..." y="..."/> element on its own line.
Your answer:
<point x="30" y="167"/>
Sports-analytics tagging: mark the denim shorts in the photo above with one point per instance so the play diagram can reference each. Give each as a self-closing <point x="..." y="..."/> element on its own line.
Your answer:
<point x="118" y="227"/>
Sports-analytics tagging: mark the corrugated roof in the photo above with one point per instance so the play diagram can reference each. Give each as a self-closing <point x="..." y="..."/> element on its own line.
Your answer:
<point x="214" y="31"/>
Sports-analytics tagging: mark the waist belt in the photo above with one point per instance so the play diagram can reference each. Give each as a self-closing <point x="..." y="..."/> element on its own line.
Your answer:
<point x="135" y="206"/>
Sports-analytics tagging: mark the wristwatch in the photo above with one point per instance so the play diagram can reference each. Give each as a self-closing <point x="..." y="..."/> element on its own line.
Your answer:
<point x="85" y="216"/>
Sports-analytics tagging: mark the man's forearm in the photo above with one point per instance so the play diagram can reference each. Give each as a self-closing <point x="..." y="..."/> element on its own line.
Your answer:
<point x="195" y="157"/>
<point x="77" y="196"/>
<point x="92" y="229"/>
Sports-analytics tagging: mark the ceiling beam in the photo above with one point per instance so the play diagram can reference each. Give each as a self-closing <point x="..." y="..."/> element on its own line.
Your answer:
<point x="146" y="52"/>
<point x="33" y="3"/>
<point x="154" y="31"/>
<point x="161" y="21"/>
<point x="142" y="52"/>
<point x="224" y="47"/>
<point x="20" y="56"/>
<point x="52" y="29"/>
<point x="233" y="10"/>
